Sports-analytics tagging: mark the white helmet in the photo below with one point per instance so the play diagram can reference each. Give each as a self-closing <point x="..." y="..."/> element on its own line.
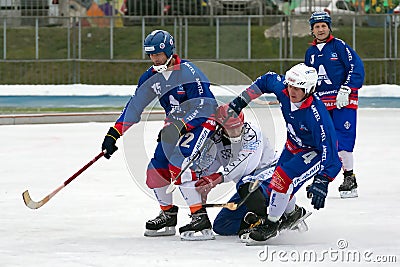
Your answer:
<point x="302" y="76"/>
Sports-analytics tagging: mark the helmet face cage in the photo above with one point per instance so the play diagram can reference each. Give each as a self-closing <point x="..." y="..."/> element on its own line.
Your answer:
<point x="233" y="122"/>
<point x="302" y="76"/>
<point x="159" y="41"/>
<point x="230" y="123"/>
<point x="320" y="17"/>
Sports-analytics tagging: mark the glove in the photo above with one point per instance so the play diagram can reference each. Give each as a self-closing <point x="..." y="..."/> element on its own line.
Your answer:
<point x="172" y="131"/>
<point x="206" y="183"/>
<point x="318" y="191"/>
<point x="159" y="136"/>
<point x="109" y="142"/>
<point x="342" y="98"/>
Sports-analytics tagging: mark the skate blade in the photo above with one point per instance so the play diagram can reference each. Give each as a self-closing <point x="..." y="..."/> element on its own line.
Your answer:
<point x="301" y="225"/>
<point x="244" y="238"/>
<point x="206" y="234"/>
<point x="349" y="194"/>
<point x="251" y="242"/>
<point x="166" y="231"/>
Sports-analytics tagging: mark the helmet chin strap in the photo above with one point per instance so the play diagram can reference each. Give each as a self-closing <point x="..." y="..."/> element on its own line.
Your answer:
<point x="319" y="40"/>
<point x="164" y="67"/>
<point x="233" y="140"/>
<point x="312" y="90"/>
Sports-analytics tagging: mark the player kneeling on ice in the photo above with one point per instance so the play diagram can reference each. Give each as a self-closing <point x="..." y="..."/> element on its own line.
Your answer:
<point x="184" y="93"/>
<point x="311" y="145"/>
<point x="246" y="157"/>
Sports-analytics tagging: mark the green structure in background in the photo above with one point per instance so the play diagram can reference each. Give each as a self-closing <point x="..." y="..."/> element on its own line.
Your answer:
<point x="377" y="6"/>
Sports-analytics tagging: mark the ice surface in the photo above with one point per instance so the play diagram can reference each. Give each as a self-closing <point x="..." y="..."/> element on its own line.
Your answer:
<point x="98" y="219"/>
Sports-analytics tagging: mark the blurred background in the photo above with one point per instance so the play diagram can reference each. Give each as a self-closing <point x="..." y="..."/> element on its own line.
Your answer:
<point x="100" y="41"/>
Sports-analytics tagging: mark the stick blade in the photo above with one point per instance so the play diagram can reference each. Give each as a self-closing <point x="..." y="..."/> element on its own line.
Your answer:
<point x="29" y="202"/>
<point x="231" y="206"/>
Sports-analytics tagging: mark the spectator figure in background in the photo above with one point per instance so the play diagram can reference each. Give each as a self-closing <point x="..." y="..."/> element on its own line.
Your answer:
<point x="340" y="76"/>
<point x="184" y="93"/>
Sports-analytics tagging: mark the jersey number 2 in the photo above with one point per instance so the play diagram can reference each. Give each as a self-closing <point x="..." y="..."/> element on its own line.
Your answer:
<point x="185" y="143"/>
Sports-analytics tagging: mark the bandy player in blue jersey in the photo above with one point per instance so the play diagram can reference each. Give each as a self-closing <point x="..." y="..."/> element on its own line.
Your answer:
<point x="184" y="93"/>
<point x="311" y="145"/>
<point x="340" y="76"/>
<point x="244" y="155"/>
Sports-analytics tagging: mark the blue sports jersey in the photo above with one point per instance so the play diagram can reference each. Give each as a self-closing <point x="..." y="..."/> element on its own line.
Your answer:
<point x="309" y="127"/>
<point x="183" y="93"/>
<point x="337" y="64"/>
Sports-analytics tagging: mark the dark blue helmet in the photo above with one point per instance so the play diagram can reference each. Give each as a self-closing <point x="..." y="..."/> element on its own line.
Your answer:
<point x="320" y="16"/>
<point x="159" y="41"/>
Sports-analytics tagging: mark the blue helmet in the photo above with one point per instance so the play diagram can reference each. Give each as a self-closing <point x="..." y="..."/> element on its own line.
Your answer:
<point x="320" y="16"/>
<point x="159" y="41"/>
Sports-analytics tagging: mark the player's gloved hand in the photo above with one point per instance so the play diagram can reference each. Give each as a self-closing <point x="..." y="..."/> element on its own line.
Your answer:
<point x="318" y="191"/>
<point x="206" y="183"/>
<point x="172" y="131"/>
<point x="159" y="136"/>
<point x="342" y="98"/>
<point x="109" y="142"/>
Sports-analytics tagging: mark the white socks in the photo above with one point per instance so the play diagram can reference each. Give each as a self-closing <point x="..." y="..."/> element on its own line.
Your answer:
<point x="190" y="194"/>
<point x="188" y="190"/>
<point x="347" y="160"/>
<point x="278" y="204"/>
<point x="163" y="198"/>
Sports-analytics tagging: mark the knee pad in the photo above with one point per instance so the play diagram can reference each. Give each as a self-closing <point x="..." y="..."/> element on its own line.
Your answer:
<point x="156" y="178"/>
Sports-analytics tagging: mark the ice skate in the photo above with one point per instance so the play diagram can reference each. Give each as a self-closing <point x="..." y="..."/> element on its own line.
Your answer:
<point x="199" y="228"/>
<point x="348" y="189"/>
<point x="253" y="220"/>
<point x="295" y="220"/>
<point x="164" y="224"/>
<point x="262" y="233"/>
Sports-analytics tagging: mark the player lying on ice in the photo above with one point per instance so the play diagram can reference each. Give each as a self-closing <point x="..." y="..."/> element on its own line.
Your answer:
<point x="245" y="156"/>
<point x="310" y="150"/>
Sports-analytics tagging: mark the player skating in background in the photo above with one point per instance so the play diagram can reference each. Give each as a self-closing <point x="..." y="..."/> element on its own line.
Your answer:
<point x="184" y="93"/>
<point x="340" y="76"/>
<point x="311" y="145"/>
<point x="242" y="154"/>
